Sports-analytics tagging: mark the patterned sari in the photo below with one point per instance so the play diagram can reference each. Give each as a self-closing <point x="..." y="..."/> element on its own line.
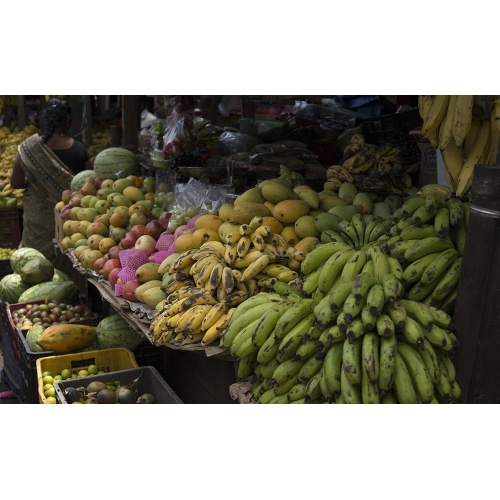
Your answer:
<point x="47" y="178"/>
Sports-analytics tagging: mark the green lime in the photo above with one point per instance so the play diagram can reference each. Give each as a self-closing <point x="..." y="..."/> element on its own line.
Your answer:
<point x="93" y="370"/>
<point x="66" y="373"/>
<point x="58" y="377"/>
<point x="46" y="373"/>
<point x="46" y="387"/>
<point x="50" y="392"/>
<point x="51" y="400"/>
<point x="48" y="379"/>
<point x="74" y="375"/>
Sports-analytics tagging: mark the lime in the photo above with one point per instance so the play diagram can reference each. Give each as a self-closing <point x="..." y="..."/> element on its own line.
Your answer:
<point x="51" y="400"/>
<point x="50" y="392"/>
<point x="48" y="379"/>
<point x="83" y="373"/>
<point x="46" y="387"/>
<point x="46" y="373"/>
<point x="100" y="372"/>
<point x="66" y="373"/>
<point x="74" y="375"/>
<point x="58" y="377"/>
<point x="93" y="370"/>
<point x="116" y="383"/>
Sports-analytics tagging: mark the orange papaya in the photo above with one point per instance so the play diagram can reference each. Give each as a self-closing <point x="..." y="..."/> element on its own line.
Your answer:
<point x="66" y="338"/>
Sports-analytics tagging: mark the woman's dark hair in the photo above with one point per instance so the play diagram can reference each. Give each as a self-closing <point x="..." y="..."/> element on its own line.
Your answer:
<point x="55" y="113"/>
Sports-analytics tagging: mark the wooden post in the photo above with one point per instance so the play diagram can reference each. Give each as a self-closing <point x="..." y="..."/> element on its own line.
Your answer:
<point x="131" y="121"/>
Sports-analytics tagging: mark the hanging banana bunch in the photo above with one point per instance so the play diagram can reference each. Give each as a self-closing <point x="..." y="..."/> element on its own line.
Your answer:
<point x="466" y="129"/>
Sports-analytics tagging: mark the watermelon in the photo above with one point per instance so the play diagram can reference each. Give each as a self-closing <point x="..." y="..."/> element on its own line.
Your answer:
<point x="116" y="163"/>
<point x="79" y="179"/>
<point x="38" y="292"/>
<point x="21" y="256"/>
<point x="114" y="331"/>
<point x="11" y="288"/>
<point x="36" y="271"/>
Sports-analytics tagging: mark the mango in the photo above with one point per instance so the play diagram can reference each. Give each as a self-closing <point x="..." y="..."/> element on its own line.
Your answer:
<point x="208" y="221"/>
<point x="133" y="193"/>
<point x="305" y="226"/>
<point x="363" y="200"/>
<point x="326" y="221"/>
<point x="245" y="211"/>
<point x="153" y="296"/>
<point x="394" y="201"/>
<point x="253" y="194"/>
<point x="307" y="244"/>
<point x="148" y="272"/>
<point x="347" y="191"/>
<point x="381" y="209"/>
<point x="308" y="194"/>
<point x="288" y="211"/>
<point x="328" y="201"/>
<point x="225" y="211"/>
<point x="120" y="184"/>
<point x="290" y="235"/>
<point x="138" y="292"/>
<point x="277" y="192"/>
<point x="201" y="236"/>
<point x="316" y="211"/>
<point x="275" y="225"/>
<point x="87" y="214"/>
<point x="184" y="242"/>
<point x="269" y="205"/>
<point x="345" y="212"/>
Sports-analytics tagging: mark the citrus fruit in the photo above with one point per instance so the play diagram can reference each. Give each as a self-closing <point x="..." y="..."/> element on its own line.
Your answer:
<point x="83" y="373"/>
<point x="51" y="400"/>
<point x="46" y="387"/>
<point x="57" y="377"/>
<point x="48" y="379"/>
<point x="50" y="392"/>
<point x="74" y="375"/>
<point x="92" y="370"/>
<point x="66" y="373"/>
<point x="46" y="373"/>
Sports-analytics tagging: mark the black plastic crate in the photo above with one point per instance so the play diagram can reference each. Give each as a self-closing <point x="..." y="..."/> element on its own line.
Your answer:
<point x="11" y="367"/>
<point x="149" y="355"/>
<point x="150" y="381"/>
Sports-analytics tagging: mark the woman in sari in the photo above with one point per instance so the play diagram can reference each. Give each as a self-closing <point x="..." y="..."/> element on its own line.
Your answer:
<point x="45" y="166"/>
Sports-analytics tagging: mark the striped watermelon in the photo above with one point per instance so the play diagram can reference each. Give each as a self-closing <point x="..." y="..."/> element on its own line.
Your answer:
<point x="38" y="292"/>
<point x="116" y="163"/>
<point x="11" y="288"/>
<point x="114" y="331"/>
<point x="60" y="276"/>
<point x="22" y="256"/>
<point x="79" y="179"/>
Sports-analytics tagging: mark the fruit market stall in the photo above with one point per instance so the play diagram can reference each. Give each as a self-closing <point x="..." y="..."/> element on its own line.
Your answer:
<point x="285" y="293"/>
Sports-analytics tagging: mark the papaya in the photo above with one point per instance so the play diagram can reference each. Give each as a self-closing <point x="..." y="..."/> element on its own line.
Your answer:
<point x="66" y="338"/>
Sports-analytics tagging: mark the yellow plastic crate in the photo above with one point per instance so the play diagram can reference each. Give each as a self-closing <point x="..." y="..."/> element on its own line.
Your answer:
<point x="107" y="360"/>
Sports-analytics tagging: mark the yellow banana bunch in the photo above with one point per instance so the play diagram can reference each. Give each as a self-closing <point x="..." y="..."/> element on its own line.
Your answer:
<point x="467" y="129"/>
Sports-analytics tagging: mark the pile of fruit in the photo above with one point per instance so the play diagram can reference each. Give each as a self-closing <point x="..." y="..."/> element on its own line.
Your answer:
<point x="466" y="128"/>
<point x="9" y="197"/>
<point x="5" y="253"/>
<point x="369" y="318"/>
<point x="9" y="141"/>
<point x="382" y="168"/>
<point x="47" y="314"/>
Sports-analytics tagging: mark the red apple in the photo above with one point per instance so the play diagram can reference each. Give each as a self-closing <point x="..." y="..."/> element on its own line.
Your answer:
<point x="114" y="252"/>
<point x="138" y="230"/>
<point x="98" y="182"/>
<point x="154" y="228"/>
<point x="99" y="263"/>
<point x="129" y="289"/>
<point x="65" y="213"/>
<point x="66" y="196"/>
<point x="128" y="241"/>
<point x="165" y="219"/>
<point x="113" y="276"/>
<point x="146" y="243"/>
<point x="109" y="265"/>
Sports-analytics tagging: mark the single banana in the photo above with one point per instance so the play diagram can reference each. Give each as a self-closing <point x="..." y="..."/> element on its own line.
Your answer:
<point x="419" y="312"/>
<point x="462" y="118"/>
<point x="380" y="263"/>
<point x="313" y="388"/>
<point x="426" y="246"/>
<point x="440" y="318"/>
<point x="420" y="377"/>
<point x="286" y="370"/>
<point x="198" y="313"/>
<point x="332" y="269"/>
<point x="284" y="389"/>
<point x="417" y="232"/>
<point x="375" y="299"/>
<point x="368" y="319"/>
<point x="319" y="254"/>
<point x="380" y="229"/>
<point x="267" y="323"/>
<point x="310" y="368"/>
<point x="245" y="366"/>
<point x="403" y="385"/>
<point x="436" y="114"/>
<point x="291" y="341"/>
<point x="423" y="214"/>
<point x="307" y="348"/>
<point x="351" y="360"/>
<point x="351" y="393"/>
<point x="429" y="356"/>
<point x="330" y="336"/>
<point x="349" y="232"/>
<point x="397" y="313"/>
<point x="255" y="267"/>
<point x="414" y="271"/>
<point x="387" y="362"/>
<point x="353" y="266"/>
<point x="446" y="128"/>
<point x="297" y="392"/>
<point x="392" y="286"/>
<point x="332" y="367"/>
<point x="370" y="356"/>
<point x="385" y="325"/>
<point x="412" y="331"/>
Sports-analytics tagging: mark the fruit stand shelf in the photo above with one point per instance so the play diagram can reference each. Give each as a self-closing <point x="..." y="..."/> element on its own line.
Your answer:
<point x="134" y="318"/>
